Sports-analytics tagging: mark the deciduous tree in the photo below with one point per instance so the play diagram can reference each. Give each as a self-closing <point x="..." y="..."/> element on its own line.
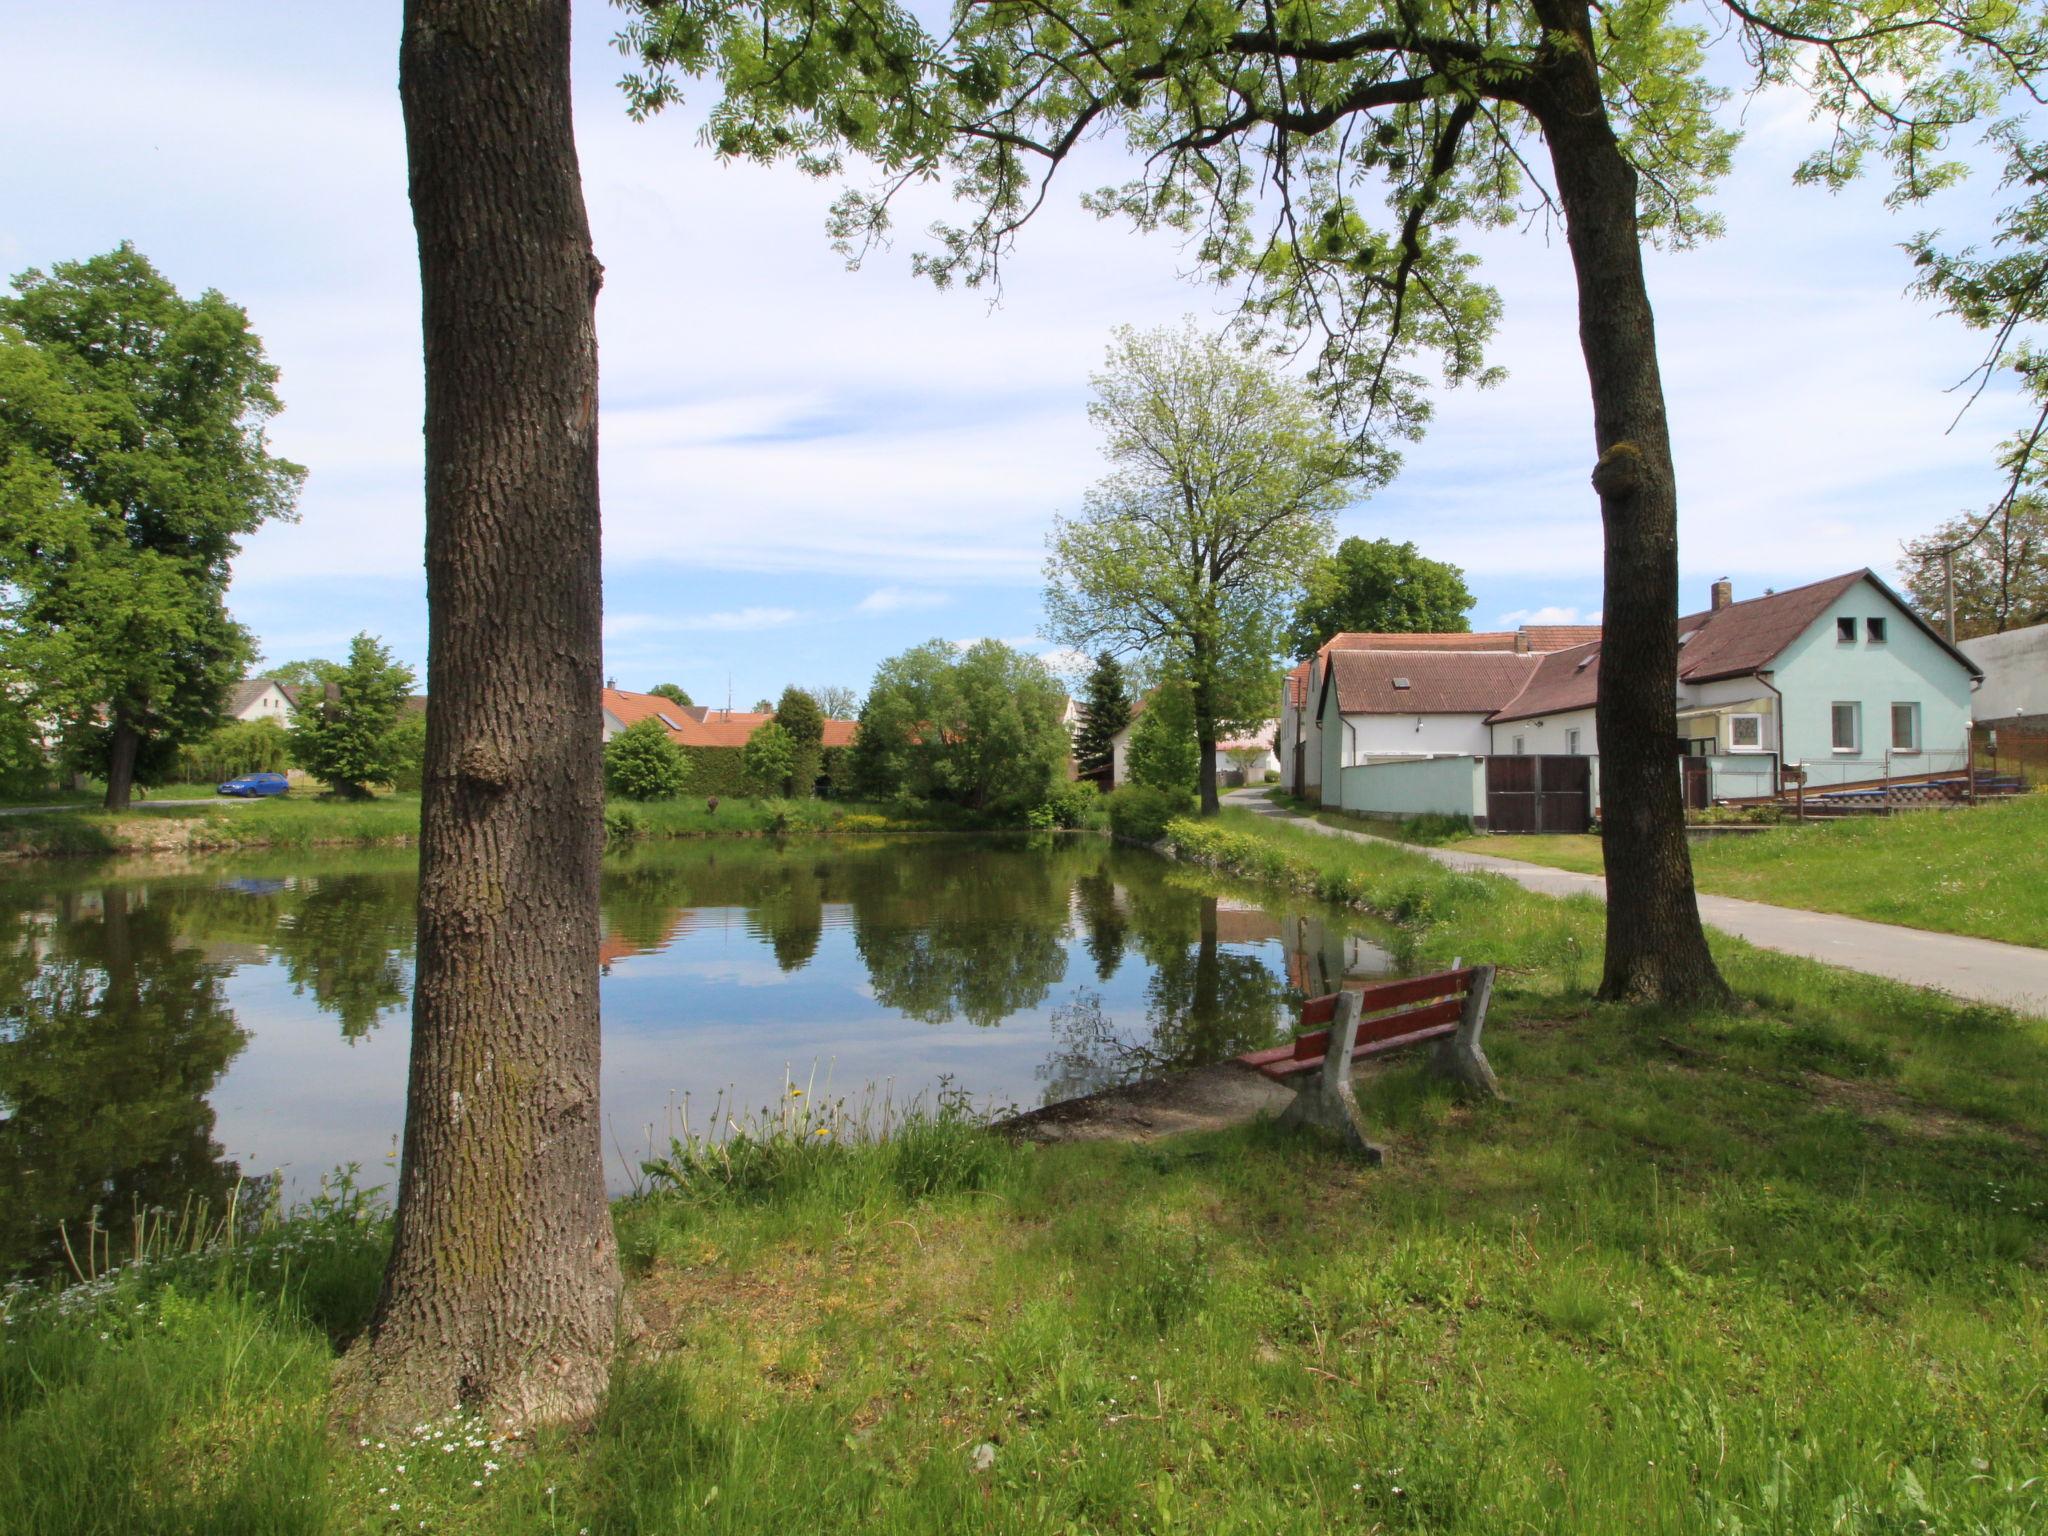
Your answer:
<point x="1165" y="752"/>
<point x="671" y="691"/>
<point x="770" y="758"/>
<point x="133" y="459"/>
<point x="1378" y="586"/>
<point x="1226" y="481"/>
<point x="798" y="713"/>
<point x="343" y="734"/>
<point x="503" y="1292"/>
<point x="643" y="762"/>
<point x="2000" y="568"/>
<point x="1266" y="135"/>
<point x="837" y="701"/>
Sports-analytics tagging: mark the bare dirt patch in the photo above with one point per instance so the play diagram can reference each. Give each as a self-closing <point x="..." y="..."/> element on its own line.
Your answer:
<point x="1884" y="1107"/>
<point x="1204" y="1099"/>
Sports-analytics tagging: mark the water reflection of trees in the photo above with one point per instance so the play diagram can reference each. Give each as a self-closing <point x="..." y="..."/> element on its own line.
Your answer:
<point x="113" y="1030"/>
<point x="347" y="942"/>
<point x="1203" y="1003"/>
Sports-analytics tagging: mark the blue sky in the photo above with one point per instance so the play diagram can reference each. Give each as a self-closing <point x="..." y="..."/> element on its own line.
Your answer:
<point x="806" y="469"/>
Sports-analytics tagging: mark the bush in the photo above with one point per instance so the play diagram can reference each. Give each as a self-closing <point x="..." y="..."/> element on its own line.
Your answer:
<point x="770" y="755"/>
<point x="1076" y="803"/>
<point x="1140" y="812"/>
<point x="239" y="747"/>
<point x="642" y="763"/>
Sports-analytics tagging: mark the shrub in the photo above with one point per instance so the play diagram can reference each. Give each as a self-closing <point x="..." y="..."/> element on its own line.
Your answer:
<point x="239" y="747"/>
<point x="346" y="739"/>
<point x="1140" y="812"/>
<point x="770" y="756"/>
<point x="643" y="763"/>
<point x="1075" y="803"/>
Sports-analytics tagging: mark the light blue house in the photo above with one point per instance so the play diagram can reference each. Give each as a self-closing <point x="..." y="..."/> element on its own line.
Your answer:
<point x="1839" y="680"/>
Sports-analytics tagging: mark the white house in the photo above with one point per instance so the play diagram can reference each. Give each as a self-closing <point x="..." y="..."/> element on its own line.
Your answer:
<point x="261" y="698"/>
<point x="2014" y="697"/>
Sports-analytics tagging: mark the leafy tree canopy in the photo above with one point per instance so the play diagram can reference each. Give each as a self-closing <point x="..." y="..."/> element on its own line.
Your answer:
<point x="346" y="741"/>
<point x="979" y="728"/>
<point x="133" y="458"/>
<point x="770" y="756"/>
<point x="837" y="701"/>
<point x="1376" y="585"/>
<point x="2001" y="569"/>
<point x="313" y="672"/>
<point x="643" y="763"/>
<point x="798" y="713"/>
<point x="1225" y="483"/>
<point x="1164" y="753"/>
<point x="673" y="692"/>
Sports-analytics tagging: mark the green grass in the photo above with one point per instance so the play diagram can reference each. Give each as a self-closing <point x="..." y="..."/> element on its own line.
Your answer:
<point x="1776" y="1269"/>
<point x="1981" y="871"/>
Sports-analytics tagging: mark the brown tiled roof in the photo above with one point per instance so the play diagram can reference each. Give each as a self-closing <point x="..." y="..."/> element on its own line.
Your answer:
<point x="1297" y="685"/>
<point x="245" y="693"/>
<point x="1727" y="642"/>
<point x="1441" y="682"/>
<point x="1559" y="637"/>
<point x="1368" y="640"/>
<point x="1562" y="680"/>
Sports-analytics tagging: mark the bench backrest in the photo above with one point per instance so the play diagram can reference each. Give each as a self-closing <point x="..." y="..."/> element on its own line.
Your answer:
<point x="1388" y="1009"/>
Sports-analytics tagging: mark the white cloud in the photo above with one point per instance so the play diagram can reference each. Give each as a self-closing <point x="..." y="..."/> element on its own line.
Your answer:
<point x="1552" y="614"/>
<point x="619" y="625"/>
<point x="898" y="599"/>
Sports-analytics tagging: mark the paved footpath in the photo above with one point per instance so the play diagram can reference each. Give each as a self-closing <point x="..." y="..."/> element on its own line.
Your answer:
<point x="1982" y="970"/>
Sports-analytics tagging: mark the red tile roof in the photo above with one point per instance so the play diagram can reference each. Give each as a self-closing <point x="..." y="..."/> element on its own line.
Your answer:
<point x="1559" y="637"/>
<point x="1443" y="682"/>
<point x="1368" y="640"/>
<point x="1562" y="680"/>
<point x="700" y="727"/>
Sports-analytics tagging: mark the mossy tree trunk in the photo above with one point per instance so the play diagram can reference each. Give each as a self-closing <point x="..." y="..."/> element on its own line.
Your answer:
<point x="1656" y="948"/>
<point x="503" y="1290"/>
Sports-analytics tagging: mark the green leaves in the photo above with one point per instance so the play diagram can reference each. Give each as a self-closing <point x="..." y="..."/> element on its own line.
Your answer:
<point x="343" y="734"/>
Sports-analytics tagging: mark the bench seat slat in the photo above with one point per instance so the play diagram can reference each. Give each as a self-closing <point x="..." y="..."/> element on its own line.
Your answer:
<point x="1387" y="1033"/>
<point x="1415" y="989"/>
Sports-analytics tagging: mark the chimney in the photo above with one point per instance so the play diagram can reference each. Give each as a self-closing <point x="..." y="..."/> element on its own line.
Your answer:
<point x="1724" y="594"/>
<point x="1522" y="642"/>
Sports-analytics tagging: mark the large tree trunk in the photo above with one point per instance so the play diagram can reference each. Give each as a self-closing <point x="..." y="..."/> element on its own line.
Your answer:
<point x="503" y="1290"/>
<point x="124" y="742"/>
<point x="1202" y="691"/>
<point x="1656" y="948"/>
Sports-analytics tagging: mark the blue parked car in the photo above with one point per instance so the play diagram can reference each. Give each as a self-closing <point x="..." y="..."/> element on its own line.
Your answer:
<point x="250" y="785"/>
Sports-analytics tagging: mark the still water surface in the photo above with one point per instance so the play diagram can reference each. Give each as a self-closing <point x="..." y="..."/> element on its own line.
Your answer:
<point x="163" y="1032"/>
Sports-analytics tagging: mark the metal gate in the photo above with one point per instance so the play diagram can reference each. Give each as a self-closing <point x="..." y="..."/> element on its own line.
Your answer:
<point x="1539" y="794"/>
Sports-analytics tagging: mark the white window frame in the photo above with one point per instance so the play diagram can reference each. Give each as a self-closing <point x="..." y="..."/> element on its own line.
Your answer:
<point x="1571" y="741"/>
<point x="1912" y="706"/>
<point x="1855" y="708"/>
<point x="1736" y="746"/>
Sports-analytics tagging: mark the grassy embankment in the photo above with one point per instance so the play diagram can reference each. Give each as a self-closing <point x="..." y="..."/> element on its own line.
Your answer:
<point x="310" y="820"/>
<point x="1982" y="871"/>
<point x="1777" y="1269"/>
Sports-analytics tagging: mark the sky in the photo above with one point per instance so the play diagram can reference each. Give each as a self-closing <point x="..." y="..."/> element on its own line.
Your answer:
<point x="806" y="469"/>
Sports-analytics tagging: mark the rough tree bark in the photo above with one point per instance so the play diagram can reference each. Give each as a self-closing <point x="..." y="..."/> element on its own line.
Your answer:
<point x="1656" y="948"/>
<point x="503" y="1291"/>
<point x="123" y="744"/>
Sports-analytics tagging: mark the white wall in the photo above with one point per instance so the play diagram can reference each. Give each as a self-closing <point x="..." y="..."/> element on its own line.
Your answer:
<point x="270" y="704"/>
<point x="1364" y="738"/>
<point x="1546" y="735"/>
<point x="2015" y="673"/>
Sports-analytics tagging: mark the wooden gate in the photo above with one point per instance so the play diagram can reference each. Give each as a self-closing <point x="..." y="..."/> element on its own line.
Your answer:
<point x="1539" y="794"/>
<point x="1695" y="773"/>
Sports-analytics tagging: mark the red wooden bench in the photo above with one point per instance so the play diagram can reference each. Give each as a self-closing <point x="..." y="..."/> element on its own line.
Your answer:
<point x="1448" y="1008"/>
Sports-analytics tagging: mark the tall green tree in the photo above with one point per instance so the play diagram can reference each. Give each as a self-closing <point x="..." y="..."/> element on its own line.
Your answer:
<point x="1323" y="161"/>
<point x="671" y="691"/>
<point x="314" y="672"/>
<point x="344" y="734"/>
<point x="1105" y="710"/>
<point x="133" y="459"/>
<point x="798" y="713"/>
<point x="1225" y="485"/>
<point x="979" y="728"/>
<point x="1378" y="586"/>
<point x="643" y="762"/>
<point x="503" y="1290"/>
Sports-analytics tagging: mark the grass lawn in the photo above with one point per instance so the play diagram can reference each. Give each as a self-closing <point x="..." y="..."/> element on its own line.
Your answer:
<point x="1982" y="871"/>
<point x="1778" y="1270"/>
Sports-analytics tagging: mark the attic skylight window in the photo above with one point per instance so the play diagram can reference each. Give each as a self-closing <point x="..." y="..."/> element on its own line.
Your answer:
<point x="1588" y="661"/>
<point x="1401" y="682"/>
<point x="664" y="719"/>
<point x="1682" y="639"/>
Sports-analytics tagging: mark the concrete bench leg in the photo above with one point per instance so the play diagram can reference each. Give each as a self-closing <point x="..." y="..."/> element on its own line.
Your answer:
<point x="1326" y="1100"/>
<point x="1459" y="1056"/>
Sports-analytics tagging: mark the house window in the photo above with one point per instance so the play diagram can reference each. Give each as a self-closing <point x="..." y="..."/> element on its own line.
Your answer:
<point x="1905" y="727"/>
<point x="1519" y="748"/>
<point x="1873" y="631"/>
<point x="1845" y="631"/>
<point x="1848" y="727"/>
<point x="1745" y="733"/>
<point x="1571" y="741"/>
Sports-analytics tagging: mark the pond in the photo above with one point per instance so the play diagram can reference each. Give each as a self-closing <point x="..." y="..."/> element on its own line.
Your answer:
<point x="165" y="1030"/>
